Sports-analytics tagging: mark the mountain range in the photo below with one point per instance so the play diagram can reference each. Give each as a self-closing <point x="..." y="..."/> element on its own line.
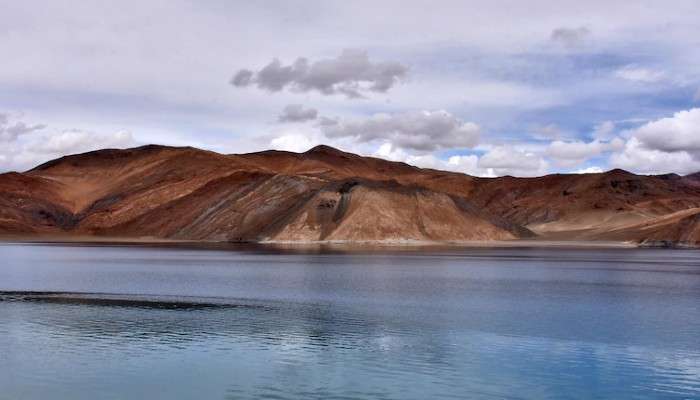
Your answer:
<point x="325" y="194"/>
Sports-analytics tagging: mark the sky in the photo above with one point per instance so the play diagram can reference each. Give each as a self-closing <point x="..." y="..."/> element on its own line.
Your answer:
<point x="488" y="88"/>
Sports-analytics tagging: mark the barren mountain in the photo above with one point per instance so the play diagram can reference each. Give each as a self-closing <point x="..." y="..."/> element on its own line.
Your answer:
<point x="327" y="194"/>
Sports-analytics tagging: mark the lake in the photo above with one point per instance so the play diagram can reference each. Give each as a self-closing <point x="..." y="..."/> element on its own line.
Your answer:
<point x="121" y="322"/>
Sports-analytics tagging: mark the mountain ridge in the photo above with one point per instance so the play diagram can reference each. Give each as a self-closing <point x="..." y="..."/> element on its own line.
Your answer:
<point x="326" y="194"/>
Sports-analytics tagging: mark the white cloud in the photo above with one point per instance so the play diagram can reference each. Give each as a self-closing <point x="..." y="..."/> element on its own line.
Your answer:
<point x="12" y="136"/>
<point x="297" y="113"/>
<point x="351" y="74"/>
<point x="589" y="170"/>
<point x="576" y="152"/>
<point x="636" y="157"/>
<point x="662" y="146"/>
<point x="299" y="138"/>
<point x="30" y="145"/>
<point x="507" y="160"/>
<point x="678" y="133"/>
<point x="421" y="131"/>
<point x="666" y="145"/>
<point x="293" y="142"/>
<point x="468" y="164"/>
<point x="77" y="141"/>
<point x="498" y="161"/>
<point x="416" y="139"/>
<point x="636" y="73"/>
<point x="426" y="161"/>
<point x="389" y="152"/>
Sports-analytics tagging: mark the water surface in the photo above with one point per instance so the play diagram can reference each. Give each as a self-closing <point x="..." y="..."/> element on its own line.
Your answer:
<point x="116" y="322"/>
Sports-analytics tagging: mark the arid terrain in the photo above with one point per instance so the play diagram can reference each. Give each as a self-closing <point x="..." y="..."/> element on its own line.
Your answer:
<point x="157" y="192"/>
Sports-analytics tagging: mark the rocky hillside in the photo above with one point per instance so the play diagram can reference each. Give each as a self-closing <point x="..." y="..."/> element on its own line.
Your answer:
<point x="327" y="194"/>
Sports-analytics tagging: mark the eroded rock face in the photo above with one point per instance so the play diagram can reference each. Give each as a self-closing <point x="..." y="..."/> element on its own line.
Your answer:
<point x="327" y="194"/>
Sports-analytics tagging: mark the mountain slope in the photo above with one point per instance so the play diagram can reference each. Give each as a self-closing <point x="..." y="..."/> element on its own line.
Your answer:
<point x="190" y="194"/>
<point x="327" y="194"/>
<point x="679" y="228"/>
<point x="32" y="205"/>
<point x="569" y="206"/>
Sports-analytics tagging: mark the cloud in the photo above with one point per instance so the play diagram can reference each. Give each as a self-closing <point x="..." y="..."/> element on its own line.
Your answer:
<point x="570" y="37"/>
<point x="327" y="121"/>
<point x="494" y="163"/>
<point x="678" y="133"/>
<point x="27" y="145"/>
<point x="589" y="170"/>
<point x="576" y="152"/>
<point x="666" y="145"/>
<point x="11" y="131"/>
<point x="421" y="131"/>
<point x="415" y="138"/>
<point x="468" y="164"/>
<point x="549" y="131"/>
<point x="507" y="160"/>
<point x="297" y="113"/>
<point x="635" y="73"/>
<point x="157" y="78"/>
<point x="293" y="142"/>
<point x="13" y="134"/>
<point x="242" y="78"/>
<point x="350" y="74"/>
<point x="604" y="130"/>
<point x="389" y="152"/>
<point x="638" y="158"/>
<point x="78" y="141"/>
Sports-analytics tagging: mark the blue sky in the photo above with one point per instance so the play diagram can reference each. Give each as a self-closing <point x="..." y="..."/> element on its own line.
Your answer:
<point x="486" y="88"/>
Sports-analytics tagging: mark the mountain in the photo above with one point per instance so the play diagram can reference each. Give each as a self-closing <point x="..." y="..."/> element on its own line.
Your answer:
<point x="327" y="194"/>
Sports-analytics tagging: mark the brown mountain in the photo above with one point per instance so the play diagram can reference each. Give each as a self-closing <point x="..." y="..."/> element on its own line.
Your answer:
<point x="327" y="194"/>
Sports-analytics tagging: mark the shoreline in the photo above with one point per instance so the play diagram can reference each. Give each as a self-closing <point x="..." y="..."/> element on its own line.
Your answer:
<point x="366" y="244"/>
<point x="542" y="242"/>
<point x="463" y="244"/>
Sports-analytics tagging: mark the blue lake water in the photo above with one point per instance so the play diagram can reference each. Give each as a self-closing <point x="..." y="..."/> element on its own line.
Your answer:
<point x="116" y="322"/>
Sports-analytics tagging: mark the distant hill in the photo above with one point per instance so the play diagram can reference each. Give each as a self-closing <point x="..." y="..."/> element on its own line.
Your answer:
<point x="326" y="194"/>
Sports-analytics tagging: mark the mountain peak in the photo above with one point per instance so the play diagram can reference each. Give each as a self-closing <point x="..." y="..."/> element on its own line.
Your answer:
<point x="322" y="148"/>
<point x="618" y="171"/>
<point x="105" y="155"/>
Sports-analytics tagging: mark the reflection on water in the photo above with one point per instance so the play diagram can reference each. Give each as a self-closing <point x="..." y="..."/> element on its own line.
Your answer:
<point x="114" y="322"/>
